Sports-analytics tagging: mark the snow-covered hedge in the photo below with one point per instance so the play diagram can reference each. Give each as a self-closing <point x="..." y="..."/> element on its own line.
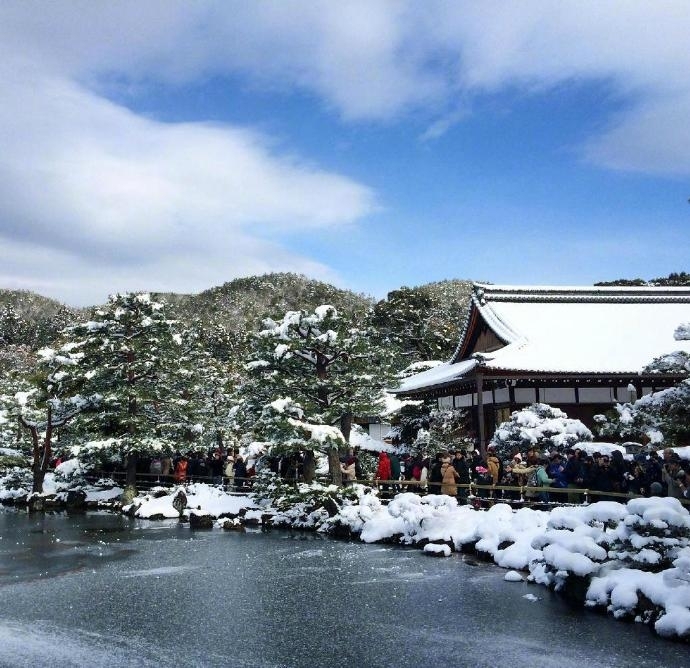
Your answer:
<point x="538" y="426"/>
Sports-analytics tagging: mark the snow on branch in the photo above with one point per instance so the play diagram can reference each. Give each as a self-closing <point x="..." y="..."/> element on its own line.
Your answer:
<point x="682" y="332"/>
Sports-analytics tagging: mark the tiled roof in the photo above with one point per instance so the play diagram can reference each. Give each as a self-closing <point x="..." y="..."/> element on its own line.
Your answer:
<point x="571" y="330"/>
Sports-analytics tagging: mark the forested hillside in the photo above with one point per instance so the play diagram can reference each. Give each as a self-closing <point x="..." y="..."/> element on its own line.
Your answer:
<point x="422" y="322"/>
<point x="30" y="319"/>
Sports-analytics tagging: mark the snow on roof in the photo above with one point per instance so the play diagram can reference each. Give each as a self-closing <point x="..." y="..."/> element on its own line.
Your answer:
<point x="573" y="329"/>
<point x="587" y="330"/>
<point x="391" y="404"/>
<point x="439" y="375"/>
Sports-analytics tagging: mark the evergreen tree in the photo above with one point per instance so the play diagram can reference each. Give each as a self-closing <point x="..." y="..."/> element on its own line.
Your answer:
<point x="674" y="279"/>
<point x="209" y="382"/>
<point x="422" y="323"/>
<point x="12" y="329"/>
<point x="660" y="417"/>
<point x="137" y="361"/>
<point x="51" y="404"/>
<point x="323" y="364"/>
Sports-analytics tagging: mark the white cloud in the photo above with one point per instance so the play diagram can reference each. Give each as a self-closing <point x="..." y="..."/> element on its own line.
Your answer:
<point x="373" y="59"/>
<point x="84" y="179"/>
<point x="95" y="198"/>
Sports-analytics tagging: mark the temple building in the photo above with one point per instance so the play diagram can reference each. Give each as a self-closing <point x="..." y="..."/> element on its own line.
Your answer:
<point x="581" y="349"/>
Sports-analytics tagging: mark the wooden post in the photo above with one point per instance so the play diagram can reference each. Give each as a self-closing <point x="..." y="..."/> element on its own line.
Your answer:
<point x="480" y="414"/>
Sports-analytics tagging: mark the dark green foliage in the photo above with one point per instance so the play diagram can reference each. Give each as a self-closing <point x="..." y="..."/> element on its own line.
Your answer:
<point x="32" y="320"/>
<point x="138" y="362"/>
<point x="674" y="279"/>
<point x="676" y="362"/>
<point x="423" y="323"/>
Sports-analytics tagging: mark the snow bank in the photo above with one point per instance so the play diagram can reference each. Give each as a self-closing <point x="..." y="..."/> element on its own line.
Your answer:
<point x="201" y="498"/>
<point x="634" y="558"/>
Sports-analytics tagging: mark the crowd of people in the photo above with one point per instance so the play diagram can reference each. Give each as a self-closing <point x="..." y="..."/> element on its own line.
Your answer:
<point x="215" y="467"/>
<point x="539" y="475"/>
<point x="554" y="477"/>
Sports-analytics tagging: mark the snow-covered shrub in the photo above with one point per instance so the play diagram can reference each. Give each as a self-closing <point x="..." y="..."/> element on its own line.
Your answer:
<point x="16" y="482"/>
<point x="538" y="426"/>
<point x="653" y="534"/>
<point x="71" y="473"/>
<point x="660" y="417"/>
<point x="682" y="332"/>
<point x="301" y="500"/>
<point x="676" y="362"/>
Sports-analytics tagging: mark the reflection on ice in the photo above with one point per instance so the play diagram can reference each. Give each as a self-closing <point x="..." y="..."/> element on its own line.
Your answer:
<point x="161" y="570"/>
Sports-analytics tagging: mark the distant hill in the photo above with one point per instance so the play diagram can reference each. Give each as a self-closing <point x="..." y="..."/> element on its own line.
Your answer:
<point x="241" y="304"/>
<point x="229" y="312"/>
<point x="27" y="318"/>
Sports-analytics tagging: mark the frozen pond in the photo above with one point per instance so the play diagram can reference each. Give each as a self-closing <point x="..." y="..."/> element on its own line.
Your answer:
<point x="104" y="590"/>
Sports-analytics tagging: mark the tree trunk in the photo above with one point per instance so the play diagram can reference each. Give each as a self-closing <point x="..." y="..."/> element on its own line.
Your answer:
<point x="39" y="476"/>
<point x="334" y="469"/>
<point x="309" y="466"/>
<point x="346" y="425"/>
<point x="40" y="459"/>
<point x="131" y="477"/>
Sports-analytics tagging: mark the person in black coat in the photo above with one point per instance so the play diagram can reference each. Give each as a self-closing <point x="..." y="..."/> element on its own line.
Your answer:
<point x="603" y="479"/>
<point x="460" y="464"/>
<point x="435" y="475"/>
<point x="240" y="469"/>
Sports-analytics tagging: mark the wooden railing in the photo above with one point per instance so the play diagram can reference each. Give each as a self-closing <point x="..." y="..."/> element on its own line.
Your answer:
<point x="523" y="494"/>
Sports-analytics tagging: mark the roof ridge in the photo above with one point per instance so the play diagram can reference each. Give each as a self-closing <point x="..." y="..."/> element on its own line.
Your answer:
<point x="612" y="294"/>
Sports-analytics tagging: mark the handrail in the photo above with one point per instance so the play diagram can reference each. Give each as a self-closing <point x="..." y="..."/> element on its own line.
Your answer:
<point x="530" y="491"/>
<point x="526" y="492"/>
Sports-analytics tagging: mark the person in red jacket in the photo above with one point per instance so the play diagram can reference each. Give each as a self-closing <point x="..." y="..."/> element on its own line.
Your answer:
<point x="181" y="471"/>
<point x="383" y="472"/>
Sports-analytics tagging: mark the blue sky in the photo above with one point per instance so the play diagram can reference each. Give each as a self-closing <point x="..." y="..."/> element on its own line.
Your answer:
<point x="175" y="146"/>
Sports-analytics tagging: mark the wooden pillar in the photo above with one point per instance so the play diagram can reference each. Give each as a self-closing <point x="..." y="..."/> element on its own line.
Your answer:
<point x="480" y="414"/>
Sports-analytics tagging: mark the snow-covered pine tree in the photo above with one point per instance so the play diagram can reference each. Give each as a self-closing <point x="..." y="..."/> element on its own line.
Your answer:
<point x="17" y="366"/>
<point x="324" y="364"/>
<point x="660" y="417"/>
<point x="52" y="403"/>
<point x="208" y="383"/>
<point x="12" y="328"/>
<point x="282" y="425"/>
<point x="422" y="323"/>
<point x="682" y="332"/>
<point x="449" y="429"/>
<point x="137" y="361"/>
